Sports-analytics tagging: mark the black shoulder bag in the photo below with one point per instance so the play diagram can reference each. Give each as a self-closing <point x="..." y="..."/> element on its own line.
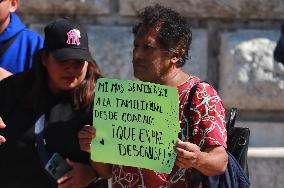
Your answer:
<point x="236" y="174"/>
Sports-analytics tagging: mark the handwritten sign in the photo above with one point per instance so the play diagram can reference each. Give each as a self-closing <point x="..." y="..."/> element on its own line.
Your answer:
<point x="136" y="124"/>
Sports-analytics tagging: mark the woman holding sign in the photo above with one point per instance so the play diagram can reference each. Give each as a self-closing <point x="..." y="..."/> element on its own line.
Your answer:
<point x="161" y="44"/>
<point x="43" y="110"/>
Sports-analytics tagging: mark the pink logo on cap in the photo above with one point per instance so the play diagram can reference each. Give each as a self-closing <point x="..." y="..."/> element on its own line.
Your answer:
<point x="73" y="37"/>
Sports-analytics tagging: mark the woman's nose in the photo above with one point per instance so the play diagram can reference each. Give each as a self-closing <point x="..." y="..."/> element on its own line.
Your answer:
<point x="137" y="54"/>
<point x="71" y="66"/>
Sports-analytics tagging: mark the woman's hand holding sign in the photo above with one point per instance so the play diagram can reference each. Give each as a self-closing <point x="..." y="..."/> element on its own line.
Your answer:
<point x="209" y="162"/>
<point x="85" y="136"/>
<point x="2" y="125"/>
<point x="188" y="154"/>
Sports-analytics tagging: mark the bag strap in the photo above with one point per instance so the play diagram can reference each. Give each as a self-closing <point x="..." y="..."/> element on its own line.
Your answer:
<point x="196" y="177"/>
<point x="7" y="44"/>
<point x="189" y="102"/>
<point x="231" y="121"/>
<point x="192" y="92"/>
<point x="40" y="143"/>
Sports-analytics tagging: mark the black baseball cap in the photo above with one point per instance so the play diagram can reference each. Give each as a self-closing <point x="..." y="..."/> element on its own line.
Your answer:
<point x="65" y="39"/>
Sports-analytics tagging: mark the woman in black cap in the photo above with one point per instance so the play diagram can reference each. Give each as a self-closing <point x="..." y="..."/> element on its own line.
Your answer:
<point x="43" y="110"/>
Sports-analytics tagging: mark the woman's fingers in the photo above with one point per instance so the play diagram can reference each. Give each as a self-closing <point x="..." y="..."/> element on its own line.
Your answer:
<point x="87" y="132"/>
<point x="2" y="125"/>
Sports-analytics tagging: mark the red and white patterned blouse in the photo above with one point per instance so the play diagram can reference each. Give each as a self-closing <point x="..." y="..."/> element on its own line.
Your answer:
<point x="207" y="127"/>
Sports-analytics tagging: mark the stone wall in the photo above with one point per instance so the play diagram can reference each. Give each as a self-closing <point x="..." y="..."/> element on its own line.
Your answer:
<point x="233" y="43"/>
<point x="232" y="48"/>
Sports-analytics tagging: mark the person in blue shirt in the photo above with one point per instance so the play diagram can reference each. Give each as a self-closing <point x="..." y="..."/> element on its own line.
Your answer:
<point x="17" y="57"/>
<point x="279" y="50"/>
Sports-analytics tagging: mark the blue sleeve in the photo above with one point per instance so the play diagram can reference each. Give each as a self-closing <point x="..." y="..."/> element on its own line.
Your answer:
<point x="36" y="43"/>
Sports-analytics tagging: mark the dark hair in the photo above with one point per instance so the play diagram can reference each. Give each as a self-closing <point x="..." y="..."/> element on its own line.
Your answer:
<point x="81" y="97"/>
<point x="174" y="33"/>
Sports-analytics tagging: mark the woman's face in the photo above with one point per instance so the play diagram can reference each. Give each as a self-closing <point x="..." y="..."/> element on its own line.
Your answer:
<point x="64" y="75"/>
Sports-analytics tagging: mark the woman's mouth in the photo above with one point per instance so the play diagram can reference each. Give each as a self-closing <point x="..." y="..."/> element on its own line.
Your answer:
<point x="69" y="78"/>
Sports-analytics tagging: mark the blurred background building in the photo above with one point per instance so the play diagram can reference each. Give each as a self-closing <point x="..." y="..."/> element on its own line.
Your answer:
<point x="233" y="43"/>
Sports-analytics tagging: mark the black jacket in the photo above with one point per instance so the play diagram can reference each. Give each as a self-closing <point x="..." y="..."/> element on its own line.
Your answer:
<point x="19" y="162"/>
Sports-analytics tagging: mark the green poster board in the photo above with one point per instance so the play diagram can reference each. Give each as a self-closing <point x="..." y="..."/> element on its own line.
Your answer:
<point x="136" y="124"/>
